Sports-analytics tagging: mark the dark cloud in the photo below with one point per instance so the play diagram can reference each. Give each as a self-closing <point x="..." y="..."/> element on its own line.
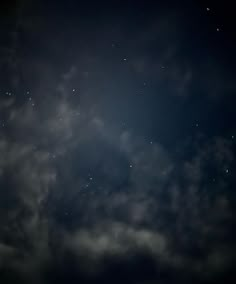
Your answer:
<point x="144" y="203"/>
<point x="115" y="162"/>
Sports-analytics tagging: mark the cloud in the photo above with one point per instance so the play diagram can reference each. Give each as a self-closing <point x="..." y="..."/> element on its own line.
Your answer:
<point x="115" y="239"/>
<point x="71" y="182"/>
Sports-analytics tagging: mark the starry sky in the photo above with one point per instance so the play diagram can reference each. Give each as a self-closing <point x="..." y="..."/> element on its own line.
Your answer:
<point x="117" y="142"/>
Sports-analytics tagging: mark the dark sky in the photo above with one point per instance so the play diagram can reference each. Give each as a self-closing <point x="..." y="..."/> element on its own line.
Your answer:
<point x="117" y="142"/>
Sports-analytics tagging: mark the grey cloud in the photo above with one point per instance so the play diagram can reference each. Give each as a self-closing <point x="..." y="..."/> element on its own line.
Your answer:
<point x="157" y="212"/>
<point x="116" y="238"/>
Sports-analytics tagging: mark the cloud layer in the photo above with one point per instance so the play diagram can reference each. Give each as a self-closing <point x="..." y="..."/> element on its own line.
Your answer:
<point x="117" y="150"/>
<point x="76" y="185"/>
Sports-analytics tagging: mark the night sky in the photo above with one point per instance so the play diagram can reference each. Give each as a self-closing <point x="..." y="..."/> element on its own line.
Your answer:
<point x="117" y="142"/>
